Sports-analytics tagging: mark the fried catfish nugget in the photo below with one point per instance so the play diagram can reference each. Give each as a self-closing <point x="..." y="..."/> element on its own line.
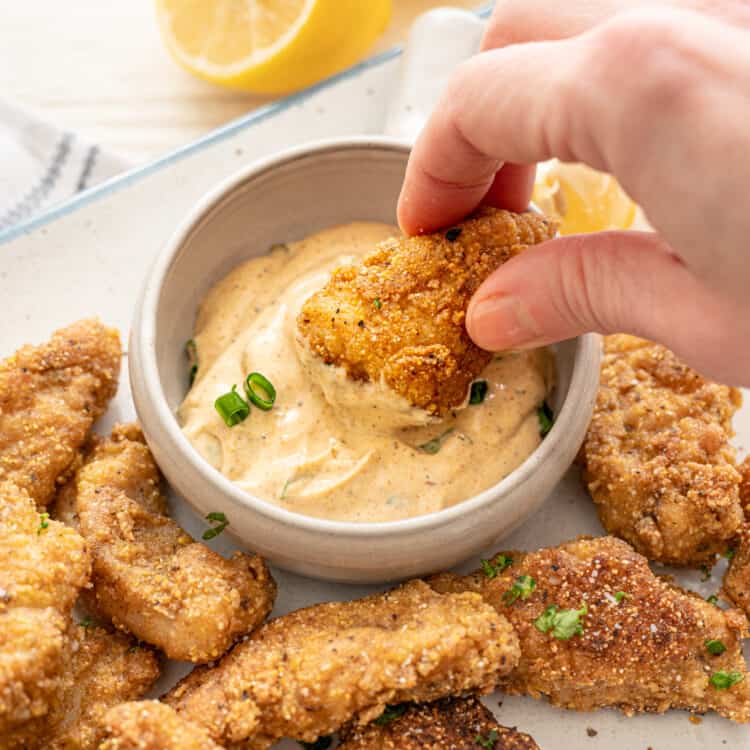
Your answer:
<point x="658" y="462"/>
<point x="150" y="725"/>
<point x="43" y="564"/>
<point x="597" y="628"/>
<point x="449" y="724"/>
<point x="149" y="576"/>
<point x="50" y="395"/>
<point x="106" y="669"/>
<point x="737" y="578"/>
<point x="398" y="317"/>
<point x="308" y="673"/>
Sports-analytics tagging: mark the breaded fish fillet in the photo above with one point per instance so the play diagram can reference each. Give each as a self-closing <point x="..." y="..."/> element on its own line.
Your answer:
<point x="150" y="725"/>
<point x="449" y="724"/>
<point x="50" y="395"/>
<point x="658" y="462"/>
<point x="618" y="635"/>
<point x="737" y="578"/>
<point x="106" y="668"/>
<point x="310" y="672"/>
<point x="43" y="564"/>
<point x="150" y="578"/>
<point x="398" y="317"/>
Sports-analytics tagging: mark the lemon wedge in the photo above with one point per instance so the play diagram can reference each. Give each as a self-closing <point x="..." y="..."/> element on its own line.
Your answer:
<point x="270" y="46"/>
<point x="582" y="199"/>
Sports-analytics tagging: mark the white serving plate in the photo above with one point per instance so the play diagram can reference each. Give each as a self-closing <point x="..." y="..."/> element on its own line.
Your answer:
<point x="89" y="256"/>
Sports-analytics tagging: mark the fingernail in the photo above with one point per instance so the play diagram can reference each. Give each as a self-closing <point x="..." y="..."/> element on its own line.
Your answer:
<point x="502" y="322"/>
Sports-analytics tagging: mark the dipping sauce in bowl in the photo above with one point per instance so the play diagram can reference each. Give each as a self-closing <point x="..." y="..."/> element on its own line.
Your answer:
<point x="356" y="461"/>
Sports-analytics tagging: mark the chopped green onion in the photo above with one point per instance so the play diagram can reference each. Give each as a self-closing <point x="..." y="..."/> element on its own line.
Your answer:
<point x="522" y="588"/>
<point x="390" y="714"/>
<point x="434" y="445"/>
<point x="497" y="565"/>
<point x="722" y="680"/>
<point x="620" y="595"/>
<point x="220" y="523"/>
<point x="232" y="408"/>
<point x="478" y="392"/>
<point x="43" y="523"/>
<point x="730" y="553"/>
<point x="715" y="647"/>
<point x="86" y="623"/>
<point x="191" y="352"/>
<point x="378" y="304"/>
<point x="546" y="418"/>
<point x="322" y="743"/>
<point x="706" y="571"/>
<point x="489" y="741"/>
<point x="256" y="380"/>
<point x="453" y="234"/>
<point x="564" y="623"/>
<point x="713" y="599"/>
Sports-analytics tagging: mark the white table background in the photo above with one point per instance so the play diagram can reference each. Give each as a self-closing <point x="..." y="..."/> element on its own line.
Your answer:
<point x="99" y="67"/>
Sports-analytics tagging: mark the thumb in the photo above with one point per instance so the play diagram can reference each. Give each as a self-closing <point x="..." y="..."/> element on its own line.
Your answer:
<point x="608" y="282"/>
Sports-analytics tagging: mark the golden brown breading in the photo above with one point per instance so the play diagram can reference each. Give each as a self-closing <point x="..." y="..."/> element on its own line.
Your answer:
<point x="744" y="469"/>
<point x="398" y="316"/>
<point x="149" y="576"/>
<point x="150" y="725"/>
<point x="658" y="462"/>
<point x="645" y="652"/>
<point x="106" y="668"/>
<point x="50" y="396"/>
<point x="308" y="673"/>
<point x="736" y="583"/>
<point x="449" y="724"/>
<point x="43" y="564"/>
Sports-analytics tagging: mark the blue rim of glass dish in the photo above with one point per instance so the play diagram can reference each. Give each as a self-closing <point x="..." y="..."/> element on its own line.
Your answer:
<point x="131" y="176"/>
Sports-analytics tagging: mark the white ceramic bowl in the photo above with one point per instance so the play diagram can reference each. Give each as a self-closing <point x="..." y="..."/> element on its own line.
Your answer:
<point x="278" y="200"/>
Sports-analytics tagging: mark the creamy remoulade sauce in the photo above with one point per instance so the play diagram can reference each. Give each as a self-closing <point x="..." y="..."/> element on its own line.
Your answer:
<point x="353" y="464"/>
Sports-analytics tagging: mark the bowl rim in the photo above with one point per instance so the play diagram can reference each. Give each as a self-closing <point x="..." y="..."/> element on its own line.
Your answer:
<point x="584" y="376"/>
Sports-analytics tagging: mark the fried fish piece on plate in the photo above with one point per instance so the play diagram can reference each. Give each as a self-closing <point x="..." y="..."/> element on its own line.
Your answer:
<point x="658" y="461"/>
<point x="150" y="725"/>
<point x="106" y="668"/>
<point x="308" y="673"/>
<point x="50" y="395"/>
<point x="150" y="577"/>
<point x="737" y="577"/>
<point x="448" y="724"/>
<point x="43" y="565"/>
<point x="598" y="629"/>
<point x="396" y="321"/>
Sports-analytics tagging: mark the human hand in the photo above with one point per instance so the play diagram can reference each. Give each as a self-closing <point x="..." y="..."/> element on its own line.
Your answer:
<point x="655" y="93"/>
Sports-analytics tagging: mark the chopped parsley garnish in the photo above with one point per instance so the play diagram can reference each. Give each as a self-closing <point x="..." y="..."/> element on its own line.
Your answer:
<point x="730" y="553"/>
<point x="722" y="680"/>
<point x="232" y="408"/>
<point x="322" y="743"/>
<point x="255" y="382"/>
<point x="43" y="523"/>
<point x="191" y="352"/>
<point x="496" y="566"/>
<point x="390" y="714"/>
<point x="564" y="623"/>
<point x="522" y="588"/>
<point x="620" y="595"/>
<point x="453" y="234"/>
<point x="546" y="418"/>
<point x="433" y="446"/>
<point x="86" y="623"/>
<point x="706" y="572"/>
<point x="713" y="599"/>
<point x="378" y="304"/>
<point x="220" y="523"/>
<point x="715" y="647"/>
<point x="489" y="741"/>
<point x="478" y="392"/>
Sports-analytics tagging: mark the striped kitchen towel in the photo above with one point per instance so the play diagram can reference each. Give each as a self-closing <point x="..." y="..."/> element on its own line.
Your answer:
<point x="41" y="165"/>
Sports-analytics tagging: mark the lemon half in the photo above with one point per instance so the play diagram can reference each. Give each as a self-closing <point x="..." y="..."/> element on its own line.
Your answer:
<point x="582" y="199"/>
<point x="270" y="46"/>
